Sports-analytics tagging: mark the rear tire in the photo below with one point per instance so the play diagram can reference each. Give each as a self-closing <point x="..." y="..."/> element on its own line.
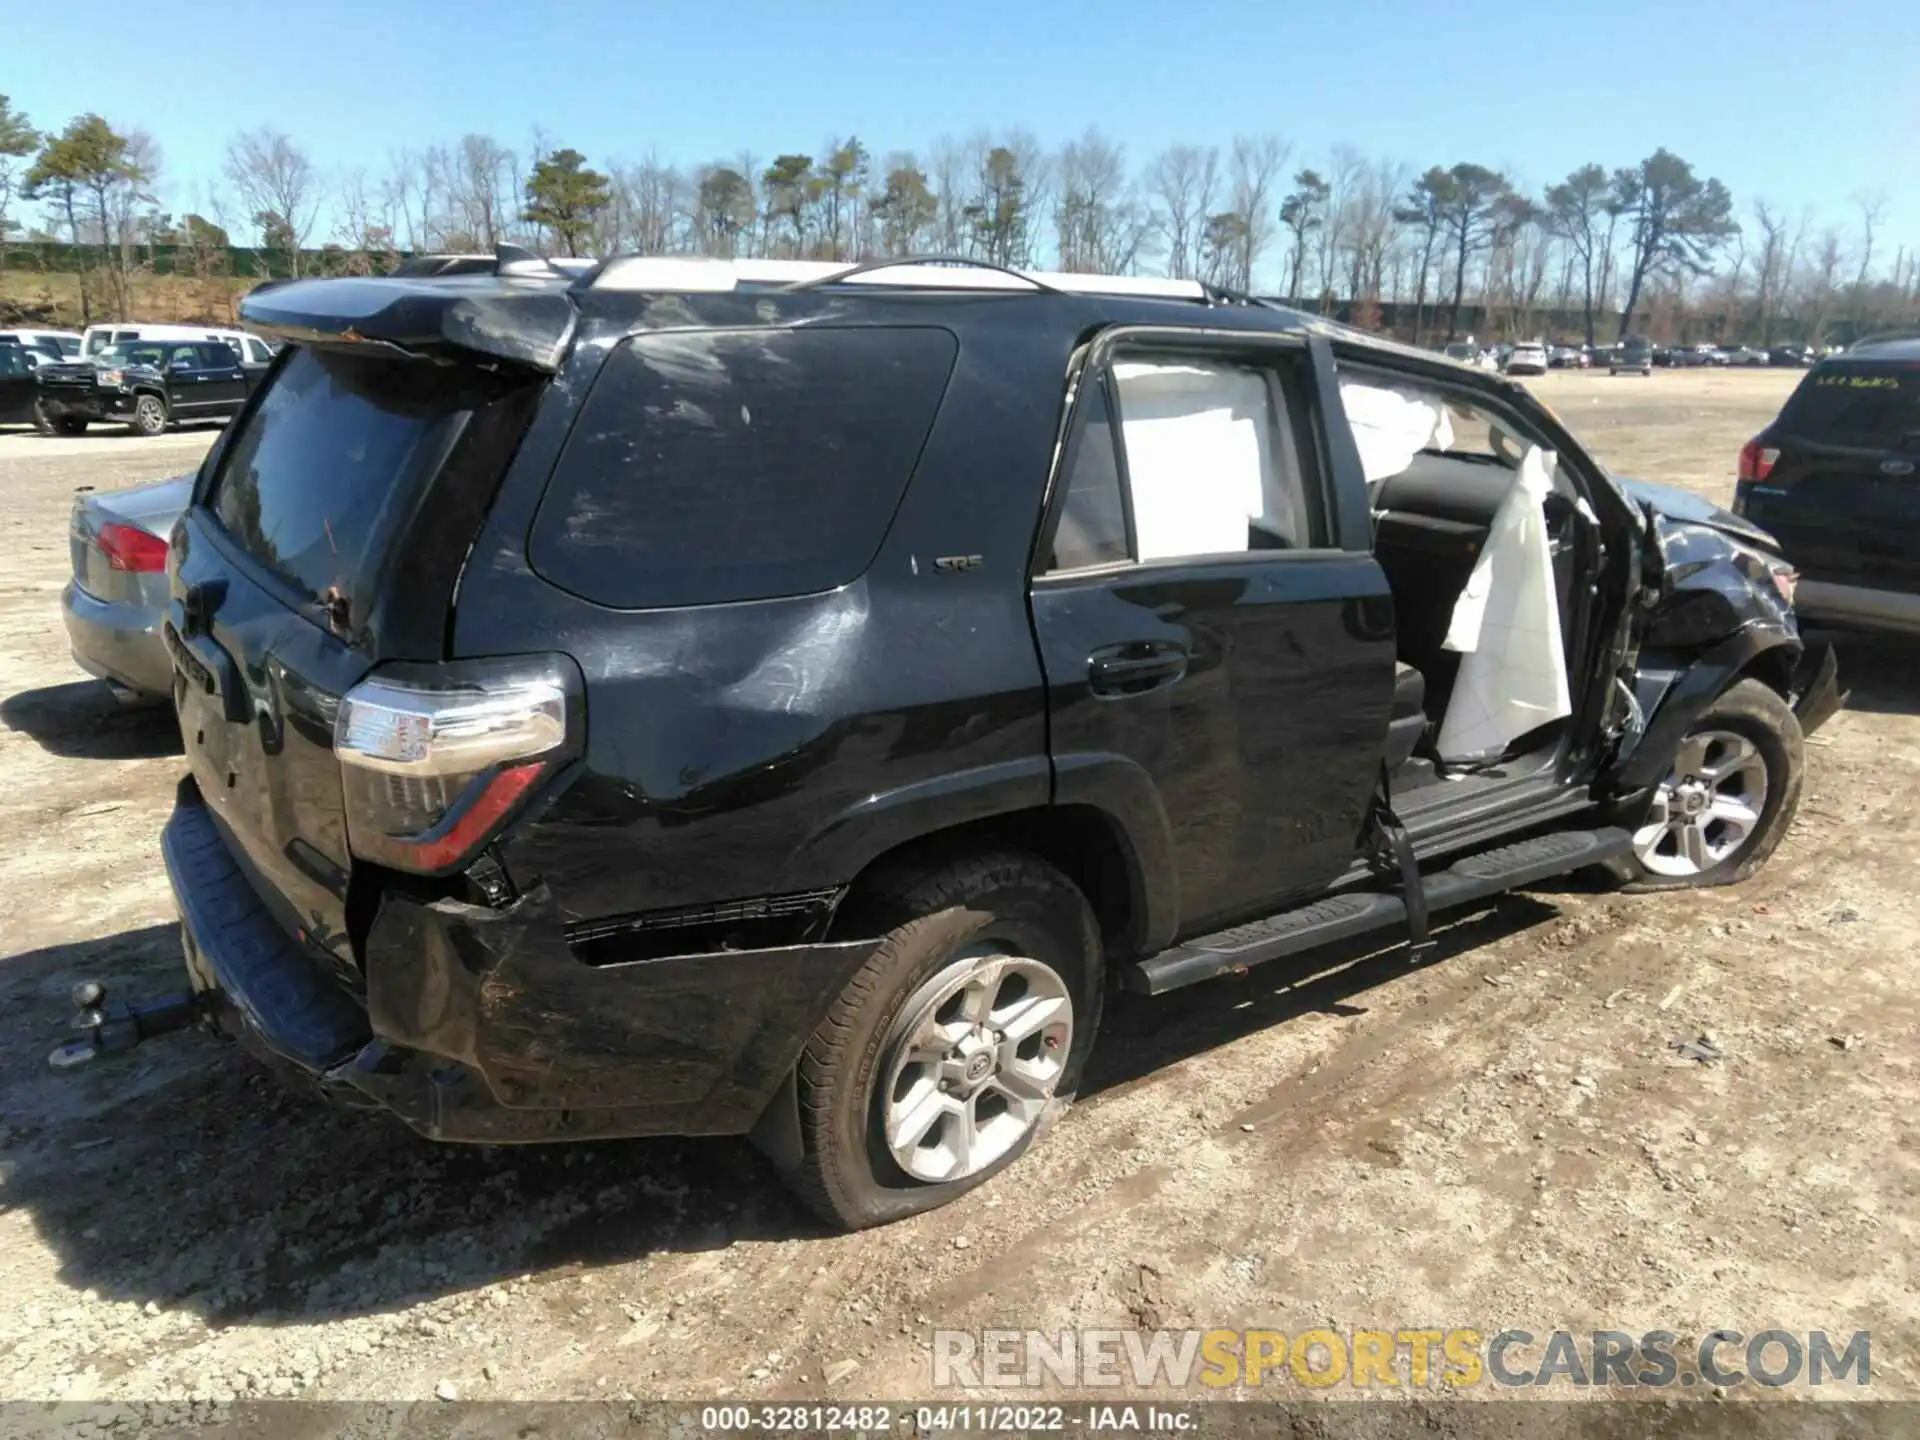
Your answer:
<point x="149" y="416"/>
<point x="1727" y="802"/>
<point x="958" y="1043"/>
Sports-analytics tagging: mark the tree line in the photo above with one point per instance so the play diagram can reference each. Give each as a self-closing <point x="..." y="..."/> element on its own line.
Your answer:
<point x="1650" y="247"/>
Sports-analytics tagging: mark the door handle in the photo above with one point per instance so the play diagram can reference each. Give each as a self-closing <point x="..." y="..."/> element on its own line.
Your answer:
<point x="1135" y="668"/>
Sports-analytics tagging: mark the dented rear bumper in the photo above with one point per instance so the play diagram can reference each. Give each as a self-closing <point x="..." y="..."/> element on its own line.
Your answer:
<point x="481" y="1025"/>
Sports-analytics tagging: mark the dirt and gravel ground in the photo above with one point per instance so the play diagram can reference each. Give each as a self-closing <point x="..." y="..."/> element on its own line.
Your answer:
<point x="1503" y="1137"/>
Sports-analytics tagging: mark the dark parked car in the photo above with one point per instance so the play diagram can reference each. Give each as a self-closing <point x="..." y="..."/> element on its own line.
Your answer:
<point x="704" y="698"/>
<point x="1837" y="478"/>
<point x="1791" y="355"/>
<point x="146" y="385"/>
<point x="19" y="387"/>
<point x="1631" y="355"/>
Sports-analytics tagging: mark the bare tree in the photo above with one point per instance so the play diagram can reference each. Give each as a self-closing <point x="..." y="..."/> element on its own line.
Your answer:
<point x="1254" y="173"/>
<point x="1822" y="277"/>
<point x="1100" y="221"/>
<point x="274" y="177"/>
<point x="132" y="202"/>
<point x="952" y="162"/>
<point x="480" y="169"/>
<point x="1343" y="182"/>
<point x="1872" y="206"/>
<point x="650" y="203"/>
<point x="1371" y="231"/>
<point x="1181" y="181"/>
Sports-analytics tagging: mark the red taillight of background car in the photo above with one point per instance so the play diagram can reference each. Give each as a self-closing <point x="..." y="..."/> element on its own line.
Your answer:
<point x="1757" y="460"/>
<point x="130" y="548"/>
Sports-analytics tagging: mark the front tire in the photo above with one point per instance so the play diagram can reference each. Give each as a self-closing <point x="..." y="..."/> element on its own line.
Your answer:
<point x="955" y="1046"/>
<point x="48" y="424"/>
<point x="1729" y="797"/>
<point x="149" y="416"/>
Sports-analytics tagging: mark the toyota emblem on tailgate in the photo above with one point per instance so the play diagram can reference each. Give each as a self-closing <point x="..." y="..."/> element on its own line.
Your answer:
<point x="1896" y="467"/>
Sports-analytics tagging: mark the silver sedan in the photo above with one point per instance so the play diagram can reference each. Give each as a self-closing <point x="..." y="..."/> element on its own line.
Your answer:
<point x="117" y="599"/>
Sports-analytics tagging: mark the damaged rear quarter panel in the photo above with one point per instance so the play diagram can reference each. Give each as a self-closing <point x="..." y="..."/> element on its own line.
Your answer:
<point x="726" y="743"/>
<point x="690" y="1044"/>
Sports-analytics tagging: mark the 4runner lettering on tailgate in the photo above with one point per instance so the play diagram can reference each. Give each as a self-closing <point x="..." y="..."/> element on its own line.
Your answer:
<point x="710" y="698"/>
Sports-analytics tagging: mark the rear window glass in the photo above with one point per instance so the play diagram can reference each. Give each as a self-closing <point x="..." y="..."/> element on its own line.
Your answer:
<point x="712" y="466"/>
<point x="329" y="463"/>
<point x="1861" y="404"/>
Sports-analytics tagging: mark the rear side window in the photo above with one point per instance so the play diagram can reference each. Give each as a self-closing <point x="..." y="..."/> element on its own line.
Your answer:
<point x="1093" y="515"/>
<point x="713" y="466"/>
<point x="330" y="463"/>
<point x="1859" y="404"/>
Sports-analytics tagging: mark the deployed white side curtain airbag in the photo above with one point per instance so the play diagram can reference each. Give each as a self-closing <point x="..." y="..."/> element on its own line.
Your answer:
<point x="1391" y="425"/>
<point x="1199" y="440"/>
<point x="1506" y="624"/>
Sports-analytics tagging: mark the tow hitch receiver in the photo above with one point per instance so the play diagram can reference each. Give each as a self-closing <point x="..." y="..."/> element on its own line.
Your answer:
<point x="104" y="1029"/>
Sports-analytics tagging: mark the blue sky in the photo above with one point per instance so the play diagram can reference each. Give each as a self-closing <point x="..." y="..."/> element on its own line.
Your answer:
<point x="1802" y="103"/>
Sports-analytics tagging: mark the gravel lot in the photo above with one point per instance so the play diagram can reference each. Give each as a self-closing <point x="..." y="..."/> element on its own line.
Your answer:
<point x="1503" y="1137"/>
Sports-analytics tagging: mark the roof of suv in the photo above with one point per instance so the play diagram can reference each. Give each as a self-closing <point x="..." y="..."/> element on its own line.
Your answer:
<point x="1906" y="347"/>
<point x="527" y="312"/>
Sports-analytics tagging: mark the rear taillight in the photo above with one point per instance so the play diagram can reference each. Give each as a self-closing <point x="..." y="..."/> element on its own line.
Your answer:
<point x="1757" y="460"/>
<point x="434" y="760"/>
<point x="130" y="548"/>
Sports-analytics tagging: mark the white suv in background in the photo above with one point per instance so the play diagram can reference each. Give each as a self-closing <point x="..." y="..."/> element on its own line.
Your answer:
<point x="251" y="349"/>
<point x="1529" y="357"/>
<point x="44" y="344"/>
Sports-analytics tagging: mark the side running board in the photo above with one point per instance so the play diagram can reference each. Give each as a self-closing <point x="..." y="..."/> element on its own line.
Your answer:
<point x="1340" y="917"/>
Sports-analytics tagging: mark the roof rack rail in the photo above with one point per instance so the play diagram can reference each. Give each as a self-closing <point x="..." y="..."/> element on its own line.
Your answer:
<point x="503" y="259"/>
<point x="958" y="262"/>
<point x="693" y="274"/>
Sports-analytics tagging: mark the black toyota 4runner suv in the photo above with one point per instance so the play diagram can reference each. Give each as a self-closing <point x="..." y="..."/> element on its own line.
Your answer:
<point x="693" y="698"/>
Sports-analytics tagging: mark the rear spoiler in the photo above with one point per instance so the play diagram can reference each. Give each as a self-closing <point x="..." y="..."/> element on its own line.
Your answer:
<point x="520" y="313"/>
